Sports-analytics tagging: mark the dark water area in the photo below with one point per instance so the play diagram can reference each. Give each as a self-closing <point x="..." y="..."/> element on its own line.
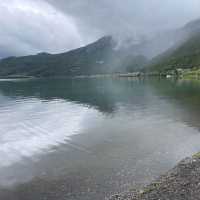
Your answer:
<point x="85" y="139"/>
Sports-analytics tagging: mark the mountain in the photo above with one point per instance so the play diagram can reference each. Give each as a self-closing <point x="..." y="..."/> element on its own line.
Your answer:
<point x="100" y="57"/>
<point x="192" y="27"/>
<point x="152" y="46"/>
<point x="185" y="54"/>
<point x="177" y="49"/>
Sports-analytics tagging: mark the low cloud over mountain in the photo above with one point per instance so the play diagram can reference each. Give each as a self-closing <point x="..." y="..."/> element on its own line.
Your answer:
<point x="32" y="26"/>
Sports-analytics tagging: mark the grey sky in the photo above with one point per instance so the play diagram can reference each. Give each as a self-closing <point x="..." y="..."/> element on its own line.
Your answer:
<point x="31" y="26"/>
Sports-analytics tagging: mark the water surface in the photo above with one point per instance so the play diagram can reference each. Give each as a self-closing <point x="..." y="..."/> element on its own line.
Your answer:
<point x="89" y="138"/>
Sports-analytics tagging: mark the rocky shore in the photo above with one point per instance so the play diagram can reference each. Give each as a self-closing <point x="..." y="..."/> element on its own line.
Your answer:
<point x="180" y="183"/>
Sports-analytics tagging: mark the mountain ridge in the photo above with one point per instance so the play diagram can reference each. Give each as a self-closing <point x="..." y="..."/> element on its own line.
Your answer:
<point x="99" y="57"/>
<point x="185" y="55"/>
<point x="173" y="49"/>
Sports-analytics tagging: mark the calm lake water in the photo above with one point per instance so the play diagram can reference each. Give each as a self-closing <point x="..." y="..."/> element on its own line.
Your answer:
<point x="85" y="139"/>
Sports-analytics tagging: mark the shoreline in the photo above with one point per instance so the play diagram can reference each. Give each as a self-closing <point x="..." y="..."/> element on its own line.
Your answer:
<point x="180" y="183"/>
<point x="191" y="74"/>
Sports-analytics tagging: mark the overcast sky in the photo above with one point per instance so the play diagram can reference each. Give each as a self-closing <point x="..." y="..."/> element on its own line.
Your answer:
<point x="32" y="26"/>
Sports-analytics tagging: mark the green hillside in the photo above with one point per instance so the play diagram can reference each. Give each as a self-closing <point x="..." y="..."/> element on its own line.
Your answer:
<point x="186" y="55"/>
<point x="99" y="57"/>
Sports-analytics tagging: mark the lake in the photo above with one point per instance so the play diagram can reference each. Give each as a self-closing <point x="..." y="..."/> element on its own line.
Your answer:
<point x="85" y="139"/>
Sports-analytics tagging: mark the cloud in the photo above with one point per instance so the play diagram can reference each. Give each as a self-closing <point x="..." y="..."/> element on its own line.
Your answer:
<point x="129" y="17"/>
<point x="30" y="26"/>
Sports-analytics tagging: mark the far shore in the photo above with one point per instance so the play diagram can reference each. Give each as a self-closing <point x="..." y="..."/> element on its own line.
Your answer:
<point x="180" y="74"/>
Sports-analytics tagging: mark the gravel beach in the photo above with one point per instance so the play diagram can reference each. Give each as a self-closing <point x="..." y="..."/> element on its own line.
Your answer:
<point x="180" y="183"/>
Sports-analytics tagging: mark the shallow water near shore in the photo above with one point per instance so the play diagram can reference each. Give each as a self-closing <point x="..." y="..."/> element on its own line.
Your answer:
<point x="90" y="138"/>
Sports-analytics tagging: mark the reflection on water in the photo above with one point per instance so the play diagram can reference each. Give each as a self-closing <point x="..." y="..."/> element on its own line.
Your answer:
<point x="31" y="126"/>
<point x="88" y="138"/>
